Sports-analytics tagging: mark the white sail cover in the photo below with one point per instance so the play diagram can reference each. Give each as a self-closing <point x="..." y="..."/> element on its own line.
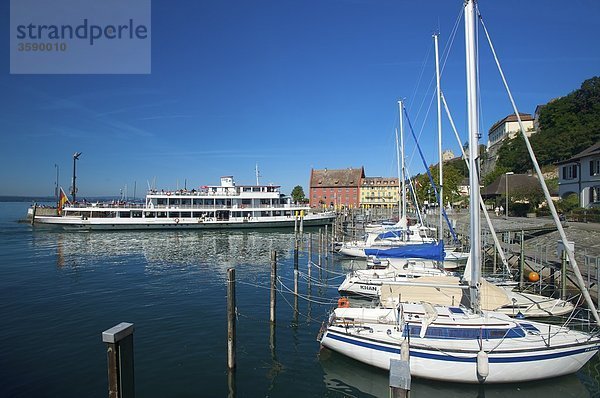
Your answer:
<point x="441" y="290"/>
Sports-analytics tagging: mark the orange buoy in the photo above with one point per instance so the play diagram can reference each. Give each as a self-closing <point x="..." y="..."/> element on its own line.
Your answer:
<point x="533" y="277"/>
<point x="343" y="302"/>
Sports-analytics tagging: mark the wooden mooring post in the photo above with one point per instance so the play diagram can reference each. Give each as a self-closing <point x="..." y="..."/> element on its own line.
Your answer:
<point x="231" y="318"/>
<point x="273" y="286"/>
<point x="399" y="378"/>
<point x="296" y="249"/>
<point x="33" y="213"/>
<point x="119" y="353"/>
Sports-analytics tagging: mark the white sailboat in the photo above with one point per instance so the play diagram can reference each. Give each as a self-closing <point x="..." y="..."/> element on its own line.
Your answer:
<point x="451" y="342"/>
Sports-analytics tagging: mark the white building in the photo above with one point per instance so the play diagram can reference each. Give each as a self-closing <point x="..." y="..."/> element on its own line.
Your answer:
<point x="506" y="128"/>
<point x="581" y="175"/>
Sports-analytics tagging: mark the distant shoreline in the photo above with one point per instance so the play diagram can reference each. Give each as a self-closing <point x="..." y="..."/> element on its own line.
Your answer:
<point x="52" y="199"/>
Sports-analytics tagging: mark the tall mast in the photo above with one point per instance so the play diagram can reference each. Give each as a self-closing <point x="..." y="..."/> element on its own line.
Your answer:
<point x="473" y="123"/>
<point x="439" y="123"/>
<point x="401" y="168"/>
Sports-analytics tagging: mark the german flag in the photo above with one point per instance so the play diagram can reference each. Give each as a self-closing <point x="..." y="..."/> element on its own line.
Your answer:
<point x="62" y="199"/>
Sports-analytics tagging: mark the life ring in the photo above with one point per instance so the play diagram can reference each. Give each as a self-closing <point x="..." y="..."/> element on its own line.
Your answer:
<point x="176" y="221"/>
<point x="168" y="193"/>
<point x="343" y="302"/>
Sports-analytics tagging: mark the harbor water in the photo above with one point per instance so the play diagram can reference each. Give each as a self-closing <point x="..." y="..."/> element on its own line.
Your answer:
<point x="59" y="290"/>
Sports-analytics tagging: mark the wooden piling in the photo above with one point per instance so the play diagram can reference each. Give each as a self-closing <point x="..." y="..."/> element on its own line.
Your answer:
<point x="231" y="318"/>
<point x="563" y="275"/>
<point x="325" y="242"/>
<point x="522" y="261"/>
<point x="273" y="285"/>
<point x="319" y="243"/>
<point x="33" y="213"/>
<point x="119" y="353"/>
<point x="296" y="267"/>
<point x="399" y="378"/>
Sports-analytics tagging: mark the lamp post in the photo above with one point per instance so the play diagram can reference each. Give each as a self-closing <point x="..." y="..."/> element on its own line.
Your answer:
<point x="76" y="156"/>
<point x="508" y="173"/>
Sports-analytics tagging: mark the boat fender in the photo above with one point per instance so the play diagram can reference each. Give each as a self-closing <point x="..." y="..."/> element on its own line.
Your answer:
<point x="343" y="302"/>
<point x="483" y="366"/>
<point x="177" y="221"/>
<point x="405" y="350"/>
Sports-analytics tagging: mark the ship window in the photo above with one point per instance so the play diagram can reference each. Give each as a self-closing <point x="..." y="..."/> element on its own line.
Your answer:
<point x="150" y="214"/>
<point x="185" y="214"/>
<point x="161" y="214"/>
<point x="124" y="214"/>
<point x="161" y="201"/>
<point x="136" y="214"/>
<point x="173" y="214"/>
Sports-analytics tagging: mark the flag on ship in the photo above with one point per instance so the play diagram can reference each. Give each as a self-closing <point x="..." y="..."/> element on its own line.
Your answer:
<point x="62" y="199"/>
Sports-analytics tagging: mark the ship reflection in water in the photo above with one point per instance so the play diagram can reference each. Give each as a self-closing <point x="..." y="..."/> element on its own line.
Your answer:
<point x="162" y="250"/>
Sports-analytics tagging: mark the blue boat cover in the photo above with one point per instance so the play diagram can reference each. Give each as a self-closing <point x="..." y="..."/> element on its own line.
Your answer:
<point x="429" y="251"/>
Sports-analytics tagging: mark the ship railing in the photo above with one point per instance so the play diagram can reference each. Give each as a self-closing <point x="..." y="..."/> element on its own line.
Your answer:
<point x="106" y="205"/>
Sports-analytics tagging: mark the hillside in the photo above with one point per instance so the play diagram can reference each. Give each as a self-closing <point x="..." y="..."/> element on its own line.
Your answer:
<point x="567" y="126"/>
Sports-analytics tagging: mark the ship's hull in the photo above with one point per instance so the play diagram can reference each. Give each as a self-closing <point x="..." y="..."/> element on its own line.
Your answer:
<point x="104" y="224"/>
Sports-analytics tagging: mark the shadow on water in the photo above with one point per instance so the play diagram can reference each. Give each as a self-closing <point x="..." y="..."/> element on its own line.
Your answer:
<point x="346" y="377"/>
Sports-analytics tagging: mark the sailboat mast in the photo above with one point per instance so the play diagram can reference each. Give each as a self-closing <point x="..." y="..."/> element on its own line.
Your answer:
<point x="400" y="155"/>
<point x="439" y="123"/>
<point x="473" y="123"/>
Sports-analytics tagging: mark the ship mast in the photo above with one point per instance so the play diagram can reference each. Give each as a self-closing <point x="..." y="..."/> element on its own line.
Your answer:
<point x="473" y="123"/>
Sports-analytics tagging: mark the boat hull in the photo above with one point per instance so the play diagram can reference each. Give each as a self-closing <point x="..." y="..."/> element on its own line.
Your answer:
<point x="76" y="223"/>
<point x="460" y="367"/>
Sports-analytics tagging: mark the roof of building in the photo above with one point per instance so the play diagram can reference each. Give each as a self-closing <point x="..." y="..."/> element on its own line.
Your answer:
<point x="382" y="180"/>
<point x="589" y="151"/>
<point x="511" y="118"/>
<point x="336" y="178"/>
<point x="516" y="181"/>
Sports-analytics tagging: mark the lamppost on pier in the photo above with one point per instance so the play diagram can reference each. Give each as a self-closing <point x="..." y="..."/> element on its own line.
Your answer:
<point x="508" y="173"/>
<point x="76" y="156"/>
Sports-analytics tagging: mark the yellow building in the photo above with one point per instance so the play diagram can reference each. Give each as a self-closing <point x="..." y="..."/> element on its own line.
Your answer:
<point x="380" y="192"/>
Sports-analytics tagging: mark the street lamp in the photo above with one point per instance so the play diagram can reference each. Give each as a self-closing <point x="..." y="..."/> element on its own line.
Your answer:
<point x="508" y="173"/>
<point x="76" y="156"/>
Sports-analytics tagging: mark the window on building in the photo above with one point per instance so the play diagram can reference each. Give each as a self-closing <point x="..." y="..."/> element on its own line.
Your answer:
<point x="595" y="167"/>
<point x="595" y="194"/>
<point x="570" y="172"/>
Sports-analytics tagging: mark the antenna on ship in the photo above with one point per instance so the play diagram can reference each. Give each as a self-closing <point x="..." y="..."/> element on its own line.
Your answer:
<point x="257" y="175"/>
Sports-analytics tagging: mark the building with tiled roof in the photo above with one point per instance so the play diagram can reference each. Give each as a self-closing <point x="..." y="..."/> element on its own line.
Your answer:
<point x="335" y="187"/>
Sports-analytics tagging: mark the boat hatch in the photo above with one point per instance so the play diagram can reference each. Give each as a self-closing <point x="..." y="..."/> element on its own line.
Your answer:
<point x="456" y="310"/>
<point x="529" y="327"/>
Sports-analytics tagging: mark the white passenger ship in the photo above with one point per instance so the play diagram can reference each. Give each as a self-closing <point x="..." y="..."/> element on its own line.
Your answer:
<point x="220" y="206"/>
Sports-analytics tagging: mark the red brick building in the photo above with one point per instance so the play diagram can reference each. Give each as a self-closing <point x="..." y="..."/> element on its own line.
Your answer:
<point x="332" y="188"/>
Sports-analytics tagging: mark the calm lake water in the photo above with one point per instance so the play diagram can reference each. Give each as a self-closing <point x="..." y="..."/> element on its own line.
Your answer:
<point x="59" y="291"/>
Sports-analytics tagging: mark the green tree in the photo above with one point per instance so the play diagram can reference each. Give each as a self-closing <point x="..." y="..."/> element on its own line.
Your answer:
<point x="567" y="126"/>
<point x="298" y="194"/>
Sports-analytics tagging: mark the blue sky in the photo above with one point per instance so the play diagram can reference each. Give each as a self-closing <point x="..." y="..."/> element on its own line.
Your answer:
<point x="289" y="85"/>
